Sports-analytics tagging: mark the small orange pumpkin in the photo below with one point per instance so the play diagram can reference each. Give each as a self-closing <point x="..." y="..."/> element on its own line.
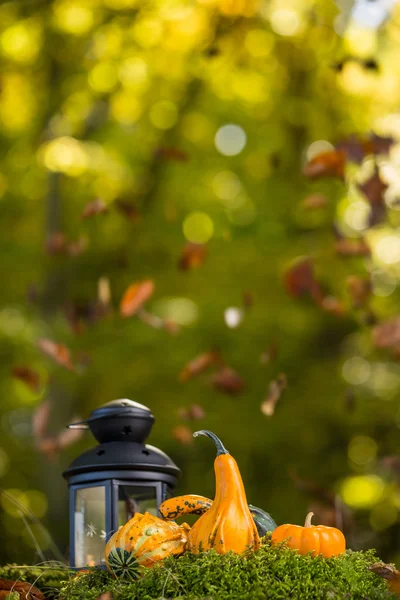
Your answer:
<point x="318" y="539"/>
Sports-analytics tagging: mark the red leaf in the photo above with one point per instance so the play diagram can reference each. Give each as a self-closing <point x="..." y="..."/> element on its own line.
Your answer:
<point x="199" y="364"/>
<point x="30" y="377"/>
<point x="276" y="388"/>
<point x="95" y="207"/>
<point x="58" y="352"/>
<point x="193" y="413"/>
<point x="135" y="297"/>
<point x="183" y="434"/>
<point x="326" y="164"/>
<point x="192" y="256"/>
<point x="228" y="381"/>
<point x="299" y="280"/>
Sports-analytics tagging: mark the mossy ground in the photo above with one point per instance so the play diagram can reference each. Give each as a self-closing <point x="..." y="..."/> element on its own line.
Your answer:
<point x="271" y="573"/>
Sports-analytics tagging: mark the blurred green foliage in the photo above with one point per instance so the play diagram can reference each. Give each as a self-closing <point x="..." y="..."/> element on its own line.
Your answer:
<point x="129" y="103"/>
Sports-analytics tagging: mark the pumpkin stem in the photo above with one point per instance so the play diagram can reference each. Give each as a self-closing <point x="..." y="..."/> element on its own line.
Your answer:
<point x="308" y="519"/>
<point x="220" y="447"/>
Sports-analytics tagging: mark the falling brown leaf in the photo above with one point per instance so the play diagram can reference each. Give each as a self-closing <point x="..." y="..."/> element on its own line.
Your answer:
<point x="30" y="377"/>
<point x="248" y="300"/>
<point x="387" y="334"/>
<point x="346" y="247"/>
<point x="195" y="412"/>
<point x="326" y="164"/>
<point x="333" y="306"/>
<point x="357" y="149"/>
<point x="374" y="189"/>
<point x="315" y="201"/>
<point x="169" y="153"/>
<point x="40" y="420"/>
<point x="136" y="296"/>
<point x="95" y="207"/>
<point x="199" y="364"/>
<point x="270" y="354"/>
<point x="192" y="256"/>
<point x="26" y="590"/>
<point x="58" y="352"/>
<point x="57" y="244"/>
<point x="359" y="289"/>
<point x="275" y="390"/>
<point x="183" y="434"/>
<point x="129" y="210"/>
<point x="228" y="381"/>
<point x="381" y="144"/>
<point x="299" y="280"/>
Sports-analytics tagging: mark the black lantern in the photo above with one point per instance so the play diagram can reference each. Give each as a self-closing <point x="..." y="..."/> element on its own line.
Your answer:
<point x="111" y="482"/>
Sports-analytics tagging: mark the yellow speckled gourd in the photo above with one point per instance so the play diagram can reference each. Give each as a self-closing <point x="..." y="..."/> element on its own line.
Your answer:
<point x="147" y="540"/>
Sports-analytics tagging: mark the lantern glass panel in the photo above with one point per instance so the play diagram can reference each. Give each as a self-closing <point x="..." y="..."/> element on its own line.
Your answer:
<point x="133" y="499"/>
<point x="90" y="526"/>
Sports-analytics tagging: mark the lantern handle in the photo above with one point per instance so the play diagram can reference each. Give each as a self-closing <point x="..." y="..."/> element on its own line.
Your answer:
<point x="84" y="424"/>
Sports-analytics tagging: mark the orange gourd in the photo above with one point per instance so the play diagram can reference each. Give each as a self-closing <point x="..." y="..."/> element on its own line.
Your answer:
<point x="317" y="539"/>
<point x="227" y="525"/>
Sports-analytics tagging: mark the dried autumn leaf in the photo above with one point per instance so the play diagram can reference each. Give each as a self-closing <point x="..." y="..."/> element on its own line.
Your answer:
<point x="326" y="164"/>
<point x="104" y="596"/>
<point x="315" y="201"/>
<point x="26" y="590"/>
<point x="195" y="412"/>
<point x="299" y="280"/>
<point x="359" y="290"/>
<point x="387" y="334"/>
<point x="169" y="153"/>
<point x="346" y="247"/>
<point x="228" y="381"/>
<point x="374" y="189"/>
<point x="333" y="306"/>
<point x="30" y="377"/>
<point x="183" y="434"/>
<point x="95" y="207"/>
<point x="49" y="447"/>
<point x="129" y="210"/>
<point x="200" y="364"/>
<point x="388" y="572"/>
<point x="40" y="420"/>
<point x="192" y="256"/>
<point x="275" y="390"/>
<point x="270" y="354"/>
<point x="58" y="352"/>
<point x="380" y="144"/>
<point x="136" y="296"/>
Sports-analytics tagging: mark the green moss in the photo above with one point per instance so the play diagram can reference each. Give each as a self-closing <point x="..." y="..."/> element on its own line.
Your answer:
<point x="271" y="573"/>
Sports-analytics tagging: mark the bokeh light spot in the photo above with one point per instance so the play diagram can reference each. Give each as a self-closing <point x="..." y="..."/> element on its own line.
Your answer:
<point x="198" y="228"/>
<point x="181" y="311"/>
<point x="318" y="147"/>
<point x="387" y="249"/>
<point x="230" y="139"/>
<point x="362" y="491"/>
<point x="226" y="185"/>
<point x="65" y="155"/>
<point x="103" y="77"/>
<point x="356" y="370"/>
<point x="362" y="450"/>
<point x="285" y="22"/>
<point x="164" y="114"/>
<point x="37" y="502"/>
<point x="73" y="17"/>
<point x="233" y="316"/>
